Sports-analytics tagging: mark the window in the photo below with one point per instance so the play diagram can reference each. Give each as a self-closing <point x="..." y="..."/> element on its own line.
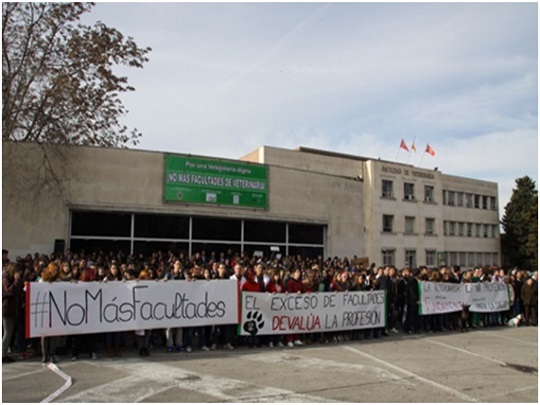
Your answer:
<point x="452" y="258"/>
<point x="478" y="230"/>
<point x="410" y="258"/>
<point x="493" y="203"/>
<point x="469" y="229"/>
<point x="89" y="223"/>
<point x="161" y="226"/>
<point x="216" y="229"/>
<point x="493" y="231"/>
<point x="388" y="223"/>
<point x="460" y="199"/>
<point x="388" y="189"/>
<point x="479" y="259"/>
<point x="429" y="192"/>
<point x="451" y="198"/>
<point x="306" y="251"/>
<point x="487" y="259"/>
<point x="485" y="202"/>
<point x="461" y="228"/>
<point x="264" y="231"/>
<point x="462" y="259"/>
<point x="431" y="256"/>
<point x="389" y="257"/>
<point x="476" y="201"/>
<point x="468" y="200"/>
<point x="409" y="225"/>
<point x="430" y="226"/>
<point x="486" y="230"/>
<point x="409" y="191"/>
<point x="451" y="228"/>
<point x="303" y="233"/>
<point x="495" y="259"/>
<point x="471" y="260"/>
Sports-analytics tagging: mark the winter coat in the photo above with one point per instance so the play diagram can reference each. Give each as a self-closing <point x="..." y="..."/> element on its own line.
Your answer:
<point x="294" y="285"/>
<point x="11" y="296"/>
<point x="529" y="294"/>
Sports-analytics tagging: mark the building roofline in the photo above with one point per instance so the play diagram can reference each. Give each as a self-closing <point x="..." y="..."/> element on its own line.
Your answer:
<point x="305" y="149"/>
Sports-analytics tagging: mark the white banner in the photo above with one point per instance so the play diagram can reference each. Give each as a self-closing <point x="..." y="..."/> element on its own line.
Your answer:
<point x="74" y="308"/>
<point x="441" y="298"/>
<point x="487" y="297"/>
<point x="270" y="314"/>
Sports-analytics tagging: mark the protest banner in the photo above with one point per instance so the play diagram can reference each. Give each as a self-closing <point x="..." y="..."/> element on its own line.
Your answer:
<point x="270" y="314"/>
<point x="54" y="309"/>
<point x="487" y="297"/>
<point x="441" y="298"/>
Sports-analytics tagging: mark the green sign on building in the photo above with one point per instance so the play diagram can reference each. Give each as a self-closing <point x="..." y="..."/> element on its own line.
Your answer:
<point x="216" y="182"/>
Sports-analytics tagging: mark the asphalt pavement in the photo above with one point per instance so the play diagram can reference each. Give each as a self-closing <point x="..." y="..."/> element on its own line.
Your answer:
<point x="484" y="365"/>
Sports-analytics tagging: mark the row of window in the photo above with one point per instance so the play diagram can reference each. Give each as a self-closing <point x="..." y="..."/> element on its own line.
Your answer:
<point x="450" y="198"/>
<point x="469" y="229"/>
<point x="146" y="233"/>
<point x="410" y="225"/>
<point x="451" y="228"/>
<point x="469" y="200"/>
<point x="432" y="258"/>
<point x="408" y="191"/>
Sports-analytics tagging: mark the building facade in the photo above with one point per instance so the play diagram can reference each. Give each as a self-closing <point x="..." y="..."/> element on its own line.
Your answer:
<point x="271" y="201"/>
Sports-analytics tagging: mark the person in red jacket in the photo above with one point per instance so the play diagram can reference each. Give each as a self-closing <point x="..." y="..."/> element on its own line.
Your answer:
<point x="295" y="286"/>
<point x="251" y="282"/>
<point x="275" y="285"/>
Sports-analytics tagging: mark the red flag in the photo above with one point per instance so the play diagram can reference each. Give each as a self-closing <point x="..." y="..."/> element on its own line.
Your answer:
<point x="430" y="150"/>
<point x="403" y="145"/>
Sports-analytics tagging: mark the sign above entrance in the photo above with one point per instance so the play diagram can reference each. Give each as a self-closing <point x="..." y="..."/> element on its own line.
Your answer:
<point x="215" y="182"/>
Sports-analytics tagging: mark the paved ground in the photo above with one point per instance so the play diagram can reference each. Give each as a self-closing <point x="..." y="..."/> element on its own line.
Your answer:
<point x="488" y="365"/>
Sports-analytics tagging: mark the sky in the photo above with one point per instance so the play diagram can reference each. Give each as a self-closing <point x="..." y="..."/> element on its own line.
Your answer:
<point x="226" y="78"/>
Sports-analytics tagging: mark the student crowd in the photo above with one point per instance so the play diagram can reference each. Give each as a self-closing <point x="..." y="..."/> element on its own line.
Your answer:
<point x="292" y="274"/>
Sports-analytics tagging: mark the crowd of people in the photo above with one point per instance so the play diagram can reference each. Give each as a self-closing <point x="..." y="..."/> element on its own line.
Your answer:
<point x="275" y="274"/>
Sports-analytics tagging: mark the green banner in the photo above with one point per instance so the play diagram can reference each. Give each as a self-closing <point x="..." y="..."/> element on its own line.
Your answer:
<point x="215" y="182"/>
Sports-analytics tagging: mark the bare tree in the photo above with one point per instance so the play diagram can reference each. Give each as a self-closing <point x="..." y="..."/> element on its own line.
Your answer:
<point x="58" y="84"/>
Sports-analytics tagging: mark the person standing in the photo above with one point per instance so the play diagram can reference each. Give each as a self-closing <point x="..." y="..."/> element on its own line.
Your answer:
<point x="85" y="342"/>
<point x="251" y="285"/>
<point x="412" y="321"/>
<point x="225" y="332"/>
<point x="529" y="296"/>
<point x="12" y="285"/>
<point x="174" y="336"/>
<point x="113" y="339"/>
<point x="275" y="286"/>
<point x="49" y="344"/>
<point x="295" y="286"/>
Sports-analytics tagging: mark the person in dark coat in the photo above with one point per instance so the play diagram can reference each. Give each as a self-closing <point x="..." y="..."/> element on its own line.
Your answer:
<point x="529" y="296"/>
<point x="12" y="285"/>
<point x="412" y="319"/>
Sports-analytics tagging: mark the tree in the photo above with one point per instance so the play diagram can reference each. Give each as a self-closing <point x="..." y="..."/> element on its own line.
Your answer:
<point x="520" y="224"/>
<point x="58" y="84"/>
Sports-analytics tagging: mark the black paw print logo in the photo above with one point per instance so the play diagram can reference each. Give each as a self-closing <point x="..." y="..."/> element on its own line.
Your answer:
<point x="254" y="323"/>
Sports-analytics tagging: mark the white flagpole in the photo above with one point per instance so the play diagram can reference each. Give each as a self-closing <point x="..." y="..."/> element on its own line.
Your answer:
<point x="410" y="150"/>
<point x="421" y="160"/>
